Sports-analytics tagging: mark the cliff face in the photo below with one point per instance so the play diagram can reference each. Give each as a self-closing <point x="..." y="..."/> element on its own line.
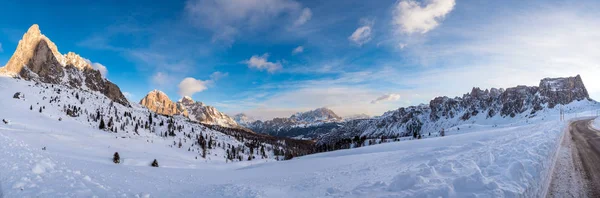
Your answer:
<point x="38" y="59"/>
<point x="202" y="113"/>
<point x="159" y="102"/>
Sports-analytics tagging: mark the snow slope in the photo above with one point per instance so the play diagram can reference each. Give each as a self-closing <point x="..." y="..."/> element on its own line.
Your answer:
<point x="510" y="159"/>
<point x="492" y="162"/>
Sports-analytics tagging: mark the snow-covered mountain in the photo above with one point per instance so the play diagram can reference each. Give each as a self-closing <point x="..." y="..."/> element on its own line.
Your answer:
<point x="202" y="113"/>
<point x="243" y="119"/>
<point x="54" y="93"/>
<point x="356" y="117"/>
<point x="38" y="59"/>
<point x="478" y="106"/>
<point x="310" y="124"/>
<point x="315" y="116"/>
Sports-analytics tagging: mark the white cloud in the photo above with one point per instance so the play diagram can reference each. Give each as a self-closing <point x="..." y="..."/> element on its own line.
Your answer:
<point x="411" y="16"/>
<point x="386" y="97"/>
<point x="304" y="17"/>
<point x="261" y="63"/>
<point x="189" y="86"/>
<point x="362" y="34"/>
<point x="218" y="75"/>
<point x="101" y="68"/>
<point x="298" y="50"/>
<point x="228" y="18"/>
<point x="97" y="66"/>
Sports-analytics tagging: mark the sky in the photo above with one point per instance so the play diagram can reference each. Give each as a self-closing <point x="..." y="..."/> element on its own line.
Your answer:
<point x="272" y="58"/>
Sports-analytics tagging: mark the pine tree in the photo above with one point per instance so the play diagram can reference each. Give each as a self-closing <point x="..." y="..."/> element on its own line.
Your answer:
<point x="116" y="158"/>
<point x="102" y="126"/>
<point x="31" y="107"/>
<point x="40" y="109"/>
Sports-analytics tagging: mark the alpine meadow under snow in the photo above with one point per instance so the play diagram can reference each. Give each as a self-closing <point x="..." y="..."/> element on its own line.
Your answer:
<point x="68" y="130"/>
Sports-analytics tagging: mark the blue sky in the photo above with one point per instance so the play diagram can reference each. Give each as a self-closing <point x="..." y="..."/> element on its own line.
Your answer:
<point x="271" y="58"/>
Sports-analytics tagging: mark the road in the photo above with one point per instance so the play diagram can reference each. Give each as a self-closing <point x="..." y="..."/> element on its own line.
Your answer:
<point x="577" y="172"/>
<point x="587" y="145"/>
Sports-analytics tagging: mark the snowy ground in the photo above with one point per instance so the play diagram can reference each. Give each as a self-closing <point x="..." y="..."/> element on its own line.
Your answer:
<point x="496" y="160"/>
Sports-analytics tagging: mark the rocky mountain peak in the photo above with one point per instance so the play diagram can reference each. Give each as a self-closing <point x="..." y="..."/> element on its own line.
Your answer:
<point x="187" y="100"/>
<point x="77" y="61"/>
<point x="38" y="59"/>
<point x="563" y="90"/>
<point x="321" y="114"/>
<point x="158" y="102"/>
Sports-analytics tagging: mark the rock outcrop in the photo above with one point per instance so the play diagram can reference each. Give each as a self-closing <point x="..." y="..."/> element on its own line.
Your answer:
<point x="202" y="113"/>
<point x="38" y="59"/>
<point x="158" y="102"/>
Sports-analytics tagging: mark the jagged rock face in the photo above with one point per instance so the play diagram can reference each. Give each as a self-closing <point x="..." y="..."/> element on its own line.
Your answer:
<point x="38" y="59"/>
<point x="494" y="102"/>
<point x="43" y="65"/>
<point x="563" y="90"/>
<point x="159" y="102"/>
<point x="206" y="114"/>
<point x="26" y="50"/>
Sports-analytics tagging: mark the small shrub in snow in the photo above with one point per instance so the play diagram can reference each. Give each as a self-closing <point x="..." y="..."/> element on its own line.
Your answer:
<point x="155" y="163"/>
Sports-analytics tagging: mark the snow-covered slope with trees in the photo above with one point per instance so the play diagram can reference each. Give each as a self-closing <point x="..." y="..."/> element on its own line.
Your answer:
<point x="50" y="154"/>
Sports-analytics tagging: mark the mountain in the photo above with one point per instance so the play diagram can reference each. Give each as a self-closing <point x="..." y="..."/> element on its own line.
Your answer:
<point x="202" y="113"/>
<point x="310" y="124"/>
<point x="317" y="115"/>
<point x="243" y="119"/>
<point x="158" y="102"/>
<point x="478" y="106"/>
<point x="56" y="95"/>
<point x="38" y="59"/>
<point x="356" y="117"/>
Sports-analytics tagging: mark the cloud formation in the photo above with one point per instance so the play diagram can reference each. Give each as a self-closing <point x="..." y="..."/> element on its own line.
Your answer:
<point x="227" y="18"/>
<point x="97" y="66"/>
<point x="411" y="16"/>
<point x="261" y="63"/>
<point x="189" y="86"/>
<point x="298" y="50"/>
<point x="101" y="68"/>
<point x="362" y="34"/>
<point x="386" y="97"/>
<point x="304" y="17"/>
